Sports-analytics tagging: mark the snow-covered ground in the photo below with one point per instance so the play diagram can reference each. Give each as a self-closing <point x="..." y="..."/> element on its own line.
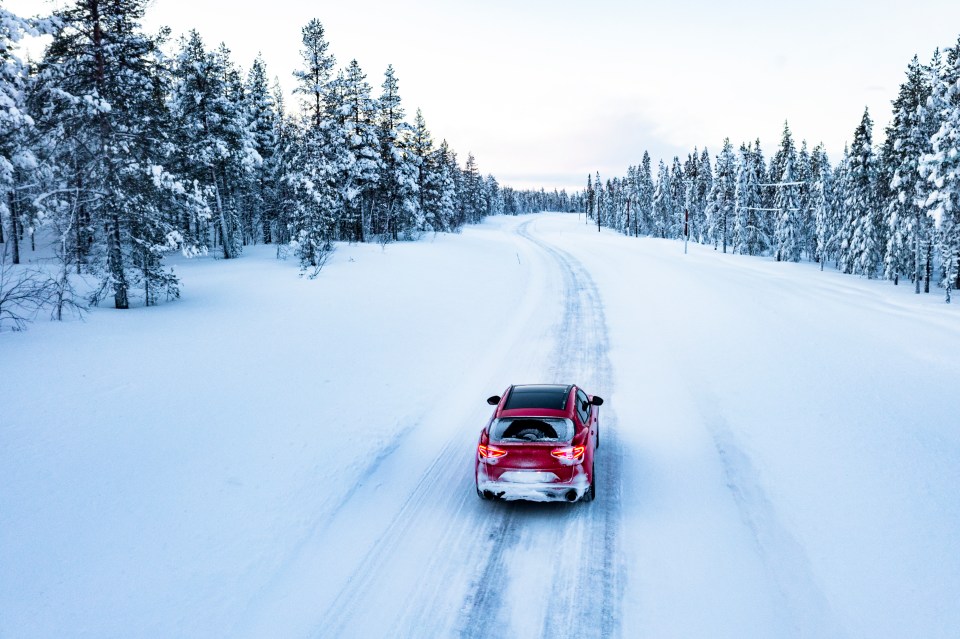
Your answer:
<point x="280" y="457"/>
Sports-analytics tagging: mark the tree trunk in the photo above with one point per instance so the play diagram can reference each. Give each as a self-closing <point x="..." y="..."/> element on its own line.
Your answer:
<point x="916" y="258"/>
<point x="929" y="270"/>
<point x="224" y="223"/>
<point x="14" y="228"/>
<point x="115" y="264"/>
<point x="146" y="280"/>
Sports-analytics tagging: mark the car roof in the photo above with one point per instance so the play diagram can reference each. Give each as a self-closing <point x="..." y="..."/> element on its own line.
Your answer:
<point x="547" y="397"/>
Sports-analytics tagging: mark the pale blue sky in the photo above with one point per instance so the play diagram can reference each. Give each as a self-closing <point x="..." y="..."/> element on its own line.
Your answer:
<point x="544" y="92"/>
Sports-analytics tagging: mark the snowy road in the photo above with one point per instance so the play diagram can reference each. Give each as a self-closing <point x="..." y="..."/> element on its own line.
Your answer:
<point x="779" y="450"/>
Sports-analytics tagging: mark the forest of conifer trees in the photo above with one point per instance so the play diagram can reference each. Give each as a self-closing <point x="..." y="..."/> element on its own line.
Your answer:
<point x="882" y="211"/>
<point x="120" y="147"/>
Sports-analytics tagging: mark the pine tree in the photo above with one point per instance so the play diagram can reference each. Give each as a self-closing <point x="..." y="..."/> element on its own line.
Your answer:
<point x="805" y="218"/>
<point x="704" y="184"/>
<point x="446" y="188"/>
<point x="17" y="128"/>
<point x="941" y="167"/>
<point x="678" y="193"/>
<point x="398" y="196"/>
<point x="908" y="139"/>
<point x="421" y="146"/>
<point x="786" y="233"/>
<point x="723" y="198"/>
<point x="867" y="241"/>
<point x="494" y="196"/>
<point x="314" y="77"/>
<point x="786" y="198"/>
<point x="825" y="221"/>
<point x="261" y="201"/>
<point x="662" y="203"/>
<point x="315" y="155"/>
<point x="645" y="191"/>
<point x="101" y="89"/>
<point x="216" y="149"/>
<point x="364" y="167"/>
<point x="744" y="202"/>
<point x="474" y="203"/>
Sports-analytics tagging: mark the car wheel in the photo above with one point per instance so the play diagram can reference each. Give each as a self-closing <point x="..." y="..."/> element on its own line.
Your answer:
<point x="591" y="492"/>
<point x="481" y="495"/>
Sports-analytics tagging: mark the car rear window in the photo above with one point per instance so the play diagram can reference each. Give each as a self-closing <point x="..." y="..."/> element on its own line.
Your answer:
<point x="531" y="429"/>
<point x="538" y="396"/>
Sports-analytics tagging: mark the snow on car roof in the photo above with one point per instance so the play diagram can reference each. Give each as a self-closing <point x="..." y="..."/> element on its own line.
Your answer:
<point x="548" y="396"/>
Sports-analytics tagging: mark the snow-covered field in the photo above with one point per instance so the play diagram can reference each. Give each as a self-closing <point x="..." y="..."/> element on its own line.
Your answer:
<point x="279" y="457"/>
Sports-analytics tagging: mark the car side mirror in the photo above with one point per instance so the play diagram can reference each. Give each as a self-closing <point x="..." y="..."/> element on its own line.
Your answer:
<point x="493" y="401"/>
<point x="596" y="401"/>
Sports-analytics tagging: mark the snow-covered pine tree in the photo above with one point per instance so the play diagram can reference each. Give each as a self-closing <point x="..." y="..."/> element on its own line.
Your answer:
<point x="704" y="184"/>
<point x="494" y="196"/>
<point x="598" y="200"/>
<point x="842" y="212"/>
<point x="100" y="96"/>
<point x="677" y="199"/>
<point x="805" y="218"/>
<point x="630" y="195"/>
<point x="662" y="204"/>
<point x="421" y="146"/>
<point x="280" y="167"/>
<point x="314" y="76"/>
<point x="941" y="168"/>
<point x="216" y="150"/>
<point x="591" y="197"/>
<point x="316" y="153"/>
<point x="645" y="191"/>
<point x="867" y="242"/>
<point x="744" y="198"/>
<point x="767" y="195"/>
<point x="723" y="197"/>
<point x="363" y="171"/>
<point x="260" y="201"/>
<point x="821" y="202"/>
<point x="17" y="129"/>
<point x="473" y="196"/>
<point x="447" y="216"/>
<point x="691" y="176"/>
<point x="786" y="232"/>
<point x="786" y="198"/>
<point x="907" y="141"/>
<point x="398" y="192"/>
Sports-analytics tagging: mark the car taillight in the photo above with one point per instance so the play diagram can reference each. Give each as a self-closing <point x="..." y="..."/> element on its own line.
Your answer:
<point x="570" y="453"/>
<point x="489" y="452"/>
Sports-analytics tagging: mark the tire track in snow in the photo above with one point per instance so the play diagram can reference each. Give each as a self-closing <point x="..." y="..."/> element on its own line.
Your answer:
<point x="803" y="603"/>
<point x="429" y="611"/>
<point x="588" y="572"/>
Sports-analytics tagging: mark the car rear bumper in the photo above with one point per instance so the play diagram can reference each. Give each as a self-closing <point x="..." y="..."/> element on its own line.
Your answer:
<point x="528" y="486"/>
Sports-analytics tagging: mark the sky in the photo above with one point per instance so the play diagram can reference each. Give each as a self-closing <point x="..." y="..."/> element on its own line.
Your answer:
<point x="544" y="92"/>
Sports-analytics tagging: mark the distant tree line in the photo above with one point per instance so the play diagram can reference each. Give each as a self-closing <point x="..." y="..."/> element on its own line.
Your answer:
<point x="890" y="212"/>
<point x="126" y="153"/>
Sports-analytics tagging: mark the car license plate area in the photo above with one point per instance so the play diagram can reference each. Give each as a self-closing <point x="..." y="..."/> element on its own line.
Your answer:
<point x="528" y="477"/>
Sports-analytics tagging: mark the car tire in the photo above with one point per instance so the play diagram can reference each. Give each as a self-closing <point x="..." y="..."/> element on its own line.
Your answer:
<point x="591" y="492"/>
<point x="481" y="495"/>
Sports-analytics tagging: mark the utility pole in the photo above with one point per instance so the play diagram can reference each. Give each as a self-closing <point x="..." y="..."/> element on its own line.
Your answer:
<point x="686" y="229"/>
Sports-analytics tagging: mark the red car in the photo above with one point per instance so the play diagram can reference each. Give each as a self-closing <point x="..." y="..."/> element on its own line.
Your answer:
<point x="539" y="445"/>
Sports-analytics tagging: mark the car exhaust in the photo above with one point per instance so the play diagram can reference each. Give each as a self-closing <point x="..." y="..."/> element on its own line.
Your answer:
<point x="571" y="495"/>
